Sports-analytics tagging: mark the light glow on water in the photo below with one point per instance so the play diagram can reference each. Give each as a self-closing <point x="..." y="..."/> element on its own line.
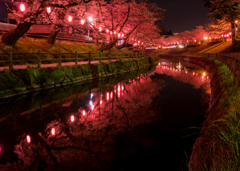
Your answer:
<point x="53" y="132"/>
<point x="28" y="139"/>
<point x="72" y="118"/>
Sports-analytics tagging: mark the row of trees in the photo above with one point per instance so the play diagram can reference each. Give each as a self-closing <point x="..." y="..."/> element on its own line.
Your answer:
<point x="224" y="16"/>
<point x="115" y="23"/>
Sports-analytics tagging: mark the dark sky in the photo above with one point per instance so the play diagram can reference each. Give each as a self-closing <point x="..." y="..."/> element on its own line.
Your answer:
<point x="183" y="15"/>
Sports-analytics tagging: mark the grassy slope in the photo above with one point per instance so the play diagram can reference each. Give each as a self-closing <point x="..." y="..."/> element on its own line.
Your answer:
<point x="26" y="44"/>
<point x="220" y="137"/>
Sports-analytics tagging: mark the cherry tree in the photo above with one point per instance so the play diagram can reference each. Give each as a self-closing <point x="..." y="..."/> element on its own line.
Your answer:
<point x="218" y="27"/>
<point x="224" y="10"/>
<point x="38" y="10"/>
<point x="125" y="22"/>
<point x="198" y="33"/>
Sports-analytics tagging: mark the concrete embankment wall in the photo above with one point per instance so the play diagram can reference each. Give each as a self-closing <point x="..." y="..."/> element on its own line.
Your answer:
<point x="201" y="150"/>
<point x="16" y="82"/>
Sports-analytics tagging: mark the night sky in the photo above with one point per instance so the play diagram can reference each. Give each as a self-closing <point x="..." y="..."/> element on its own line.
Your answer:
<point x="183" y="15"/>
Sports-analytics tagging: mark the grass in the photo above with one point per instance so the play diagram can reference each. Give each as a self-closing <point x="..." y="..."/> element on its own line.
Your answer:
<point x="30" y="45"/>
<point x="220" y="139"/>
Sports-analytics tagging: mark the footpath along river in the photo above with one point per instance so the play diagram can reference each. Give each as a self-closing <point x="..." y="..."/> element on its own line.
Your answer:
<point x="137" y="120"/>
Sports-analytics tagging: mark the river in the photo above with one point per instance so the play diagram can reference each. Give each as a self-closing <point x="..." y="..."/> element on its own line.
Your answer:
<point x="147" y="119"/>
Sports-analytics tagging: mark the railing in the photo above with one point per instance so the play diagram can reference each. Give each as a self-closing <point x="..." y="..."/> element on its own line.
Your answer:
<point x="7" y="59"/>
<point x="231" y="60"/>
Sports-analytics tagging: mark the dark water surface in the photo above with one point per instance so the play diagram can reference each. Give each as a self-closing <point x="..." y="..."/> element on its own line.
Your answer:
<point x="132" y="121"/>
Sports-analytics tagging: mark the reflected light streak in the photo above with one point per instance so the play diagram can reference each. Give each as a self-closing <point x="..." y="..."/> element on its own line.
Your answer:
<point x="92" y="107"/>
<point x="28" y="139"/>
<point x="107" y="95"/>
<point x="72" y="118"/>
<point x="53" y="131"/>
<point x="111" y="95"/>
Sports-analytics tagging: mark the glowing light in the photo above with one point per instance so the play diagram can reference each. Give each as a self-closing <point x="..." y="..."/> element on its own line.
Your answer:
<point x="83" y="113"/>
<point x="227" y="35"/>
<point x="119" y="35"/>
<point x="195" y="40"/>
<point x="210" y="38"/>
<point x="90" y="102"/>
<point x="48" y="10"/>
<point x="122" y="35"/>
<point x="111" y="32"/>
<point x="204" y="74"/>
<point x="107" y="95"/>
<point x="28" y="139"/>
<point x="222" y="35"/>
<point x="111" y="95"/>
<point x="92" y="107"/>
<point x="90" y="19"/>
<point x="100" y="29"/>
<point x="115" y="32"/>
<point x="193" y="73"/>
<point x="82" y="21"/>
<point x="205" y="38"/>
<point x="22" y="7"/>
<point x="107" y="31"/>
<point x="207" y="77"/>
<point x="53" y="131"/>
<point x="119" y="88"/>
<point x="91" y="95"/>
<point x="72" y="118"/>
<point x="100" y="101"/>
<point x="122" y="88"/>
<point x="70" y="18"/>
<point x="230" y="33"/>
<point x="186" y="72"/>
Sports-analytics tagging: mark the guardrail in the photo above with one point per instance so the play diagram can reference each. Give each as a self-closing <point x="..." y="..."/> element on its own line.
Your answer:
<point x="231" y="60"/>
<point x="7" y="59"/>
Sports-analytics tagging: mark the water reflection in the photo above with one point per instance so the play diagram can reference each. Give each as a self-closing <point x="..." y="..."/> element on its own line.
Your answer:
<point x="97" y="128"/>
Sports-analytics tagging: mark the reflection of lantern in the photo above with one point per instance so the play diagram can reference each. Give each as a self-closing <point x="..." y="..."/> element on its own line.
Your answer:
<point x="92" y="107"/>
<point x="107" y="95"/>
<point x="72" y="118"/>
<point x="53" y="131"/>
<point x="28" y="139"/>
<point x="83" y="113"/>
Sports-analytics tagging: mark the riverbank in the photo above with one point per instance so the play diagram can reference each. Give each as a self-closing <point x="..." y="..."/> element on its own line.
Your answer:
<point x="17" y="82"/>
<point x="217" y="147"/>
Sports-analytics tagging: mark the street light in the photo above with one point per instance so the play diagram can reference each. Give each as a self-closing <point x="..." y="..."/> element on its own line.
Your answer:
<point x="90" y="19"/>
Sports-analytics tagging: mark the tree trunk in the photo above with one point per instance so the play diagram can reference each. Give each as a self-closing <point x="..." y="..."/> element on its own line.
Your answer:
<point x="233" y="34"/>
<point x="52" y="36"/>
<point x="10" y="38"/>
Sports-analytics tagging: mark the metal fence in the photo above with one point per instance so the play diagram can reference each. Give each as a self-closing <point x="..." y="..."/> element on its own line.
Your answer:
<point x="231" y="60"/>
<point x="7" y="59"/>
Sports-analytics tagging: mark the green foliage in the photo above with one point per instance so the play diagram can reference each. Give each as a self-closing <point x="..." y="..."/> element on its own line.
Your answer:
<point x="221" y="135"/>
